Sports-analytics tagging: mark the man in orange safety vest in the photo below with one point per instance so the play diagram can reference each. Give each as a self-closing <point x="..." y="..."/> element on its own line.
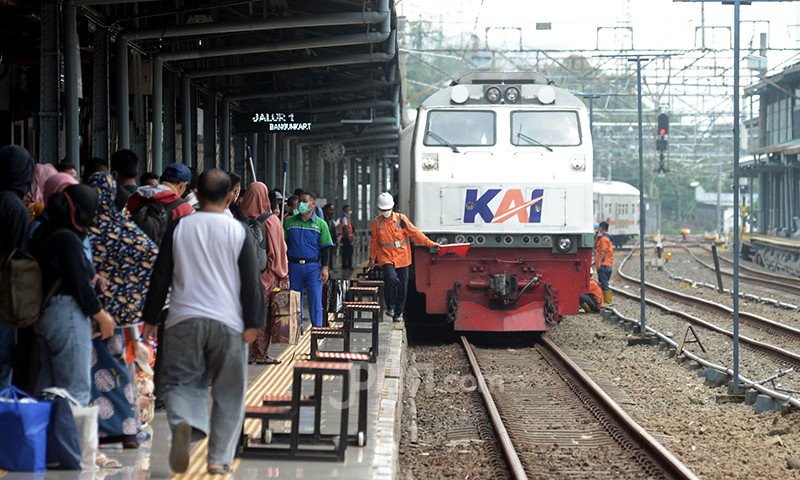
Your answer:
<point x="390" y="249"/>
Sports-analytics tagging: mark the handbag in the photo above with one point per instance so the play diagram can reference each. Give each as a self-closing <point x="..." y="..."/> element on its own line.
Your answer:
<point x="63" y="446"/>
<point x="23" y="421"/>
<point x="285" y="312"/>
<point x="86" y="426"/>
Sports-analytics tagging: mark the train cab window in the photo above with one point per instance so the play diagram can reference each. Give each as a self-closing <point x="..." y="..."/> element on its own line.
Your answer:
<point x="460" y="128"/>
<point x="548" y="128"/>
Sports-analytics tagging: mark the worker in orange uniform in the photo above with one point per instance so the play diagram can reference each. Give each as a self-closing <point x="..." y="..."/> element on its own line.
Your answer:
<point x="592" y="301"/>
<point x="603" y="260"/>
<point x="390" y="249"/>
<point x="685" y="233"/>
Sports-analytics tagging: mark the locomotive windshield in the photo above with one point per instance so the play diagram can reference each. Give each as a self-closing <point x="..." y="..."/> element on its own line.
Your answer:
<point x="459" y="128"/>
<point x="545" y="128"/>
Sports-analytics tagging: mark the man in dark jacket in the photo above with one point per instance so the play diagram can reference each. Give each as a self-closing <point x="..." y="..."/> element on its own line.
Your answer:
<point x="16" y="175"/>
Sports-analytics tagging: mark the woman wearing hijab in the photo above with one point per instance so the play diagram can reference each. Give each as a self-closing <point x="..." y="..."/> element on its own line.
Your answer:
<point x="256" y="202"/>
<point x="35" y="198"/>
<point x="65" y="328"/>
<point x="57" y="183"/>
<point x="123" y="256"/>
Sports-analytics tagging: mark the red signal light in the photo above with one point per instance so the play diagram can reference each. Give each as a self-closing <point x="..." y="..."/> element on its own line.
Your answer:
<point x="662" y="131"/>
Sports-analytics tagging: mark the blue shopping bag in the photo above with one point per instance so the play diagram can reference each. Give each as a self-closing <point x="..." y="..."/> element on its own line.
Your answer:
<point x="23" y="421"/>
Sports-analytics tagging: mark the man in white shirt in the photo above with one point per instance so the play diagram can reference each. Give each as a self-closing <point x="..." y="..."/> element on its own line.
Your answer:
<point x="216" y="309"/>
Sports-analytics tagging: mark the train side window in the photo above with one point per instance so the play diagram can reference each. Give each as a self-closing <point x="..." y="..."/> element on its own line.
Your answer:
<point x="460" y="128"/>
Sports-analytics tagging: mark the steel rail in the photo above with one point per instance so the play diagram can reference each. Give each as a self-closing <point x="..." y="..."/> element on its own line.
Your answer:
<point x="514" y="463"/>
<point x="772" y="350"/>
<point x="776" y="276"/>
<point x="747" y="383"/>
<point x="787" y="284"/>
<point x="668" y="462"/>
<point x="752" y="318"/>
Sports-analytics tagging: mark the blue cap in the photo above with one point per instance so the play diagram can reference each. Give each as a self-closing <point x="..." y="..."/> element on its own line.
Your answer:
<point x="179" y="171"/>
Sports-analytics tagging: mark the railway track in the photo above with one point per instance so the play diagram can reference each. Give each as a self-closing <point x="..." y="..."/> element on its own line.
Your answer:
<point x="770" y="326"/>
<point x="753" y="276"/>
<point x="553" y="421"/>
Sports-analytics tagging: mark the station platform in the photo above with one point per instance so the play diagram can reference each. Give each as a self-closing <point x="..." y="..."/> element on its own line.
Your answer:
<point x="378" y="459"/>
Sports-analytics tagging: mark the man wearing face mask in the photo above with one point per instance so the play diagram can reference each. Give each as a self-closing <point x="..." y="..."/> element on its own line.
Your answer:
<point x="309" y="247"/>
<point x="390" y="249"/>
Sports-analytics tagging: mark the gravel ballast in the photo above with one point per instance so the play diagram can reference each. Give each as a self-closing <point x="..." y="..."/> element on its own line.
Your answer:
<point x="672" y="402"/>
<point x="446" y="433"/>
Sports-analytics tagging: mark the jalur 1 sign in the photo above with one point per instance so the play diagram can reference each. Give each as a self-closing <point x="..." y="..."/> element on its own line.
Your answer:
<point x="271" y="122"/>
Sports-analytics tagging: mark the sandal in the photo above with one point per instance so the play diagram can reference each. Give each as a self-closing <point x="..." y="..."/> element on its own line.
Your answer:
<point x="104" y="462"/>
<point x="267" y="361"/>
<point x="220" y="470"/>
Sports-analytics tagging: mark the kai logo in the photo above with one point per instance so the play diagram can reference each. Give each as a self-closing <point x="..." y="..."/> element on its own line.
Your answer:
<point x="512" y="205"/>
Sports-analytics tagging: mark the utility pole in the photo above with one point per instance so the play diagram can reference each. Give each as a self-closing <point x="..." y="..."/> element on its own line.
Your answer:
<point x="642" y="210"/>
<point x="720" y="222"/>
<point x="736" y="147"/>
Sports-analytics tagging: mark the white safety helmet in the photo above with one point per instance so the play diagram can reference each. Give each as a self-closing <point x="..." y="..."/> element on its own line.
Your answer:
<point x="385" y="201"/>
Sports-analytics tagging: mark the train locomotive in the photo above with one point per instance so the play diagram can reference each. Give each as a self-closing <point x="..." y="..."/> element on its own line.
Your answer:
<point x="502" y="162"/>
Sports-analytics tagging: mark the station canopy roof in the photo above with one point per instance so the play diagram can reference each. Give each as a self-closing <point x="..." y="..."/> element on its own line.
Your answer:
<point x="332" y="60"/>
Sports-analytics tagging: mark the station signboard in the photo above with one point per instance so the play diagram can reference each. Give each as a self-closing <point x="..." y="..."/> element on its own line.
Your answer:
<point x="271" y="122"/>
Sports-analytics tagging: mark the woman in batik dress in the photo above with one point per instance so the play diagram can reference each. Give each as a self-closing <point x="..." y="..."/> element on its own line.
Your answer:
<point x="124" y="257"/>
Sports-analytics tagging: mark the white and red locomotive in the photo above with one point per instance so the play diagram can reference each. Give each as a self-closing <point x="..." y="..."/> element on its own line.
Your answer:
<point x="503" y="162"/>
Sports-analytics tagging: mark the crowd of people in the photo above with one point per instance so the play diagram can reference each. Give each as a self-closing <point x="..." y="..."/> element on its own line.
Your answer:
<point x="172" y="263"/>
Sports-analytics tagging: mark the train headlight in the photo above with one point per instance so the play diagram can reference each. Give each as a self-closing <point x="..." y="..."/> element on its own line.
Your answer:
<point x="430" y="162"/>
<point x="512" y="94"/>
<point x="546" y="94"/>
<point x="459" y="94"/>
<point x="493" y="94"/>
<point x="564" y="244"/>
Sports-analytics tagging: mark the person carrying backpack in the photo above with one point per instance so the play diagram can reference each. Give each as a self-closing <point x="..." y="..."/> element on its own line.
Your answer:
<point x="152" y="208"/>
<point x="16" y="175"/>
<point x="266" y="231"/>
<point x="66" y="326"/>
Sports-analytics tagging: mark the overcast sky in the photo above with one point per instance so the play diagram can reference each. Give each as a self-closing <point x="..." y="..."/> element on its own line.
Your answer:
<point x="657" y="24"/>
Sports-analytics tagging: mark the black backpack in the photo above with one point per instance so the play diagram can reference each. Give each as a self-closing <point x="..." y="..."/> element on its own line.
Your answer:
<point x="255" y="232"/>
<point x="153" y="217"/>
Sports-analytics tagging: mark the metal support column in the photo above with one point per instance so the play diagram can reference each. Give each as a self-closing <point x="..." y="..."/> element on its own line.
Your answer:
<point x="374" y="181"/>
<point x="275" y="177"/>
<point x="249" y="175"/>
<point x="238" y="153"/>
<point x="139" y="113"/>
<point x="158" y="114"/>
<point x="100" y="111"/>
<point x="72" y="78"/>
<point x="209" y="132"/>
<point x="297" y="151"/>
<point x="317" y="163"/>
<point x="292" y="168"/>
<point x="169" y="155"/>
<point x="261" y="164"/>
<point x="48" y="83"/>
<point x="736" y="237"/>
<point x="642" y="321"/>
<point x="186" y="120"/>
<point x="225" y="140"/>
<point x="123" y="107"/>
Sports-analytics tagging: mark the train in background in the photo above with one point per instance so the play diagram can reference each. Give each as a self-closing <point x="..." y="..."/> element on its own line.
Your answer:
<point x="618" y="204"/>
<point x="502" y="162"/>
